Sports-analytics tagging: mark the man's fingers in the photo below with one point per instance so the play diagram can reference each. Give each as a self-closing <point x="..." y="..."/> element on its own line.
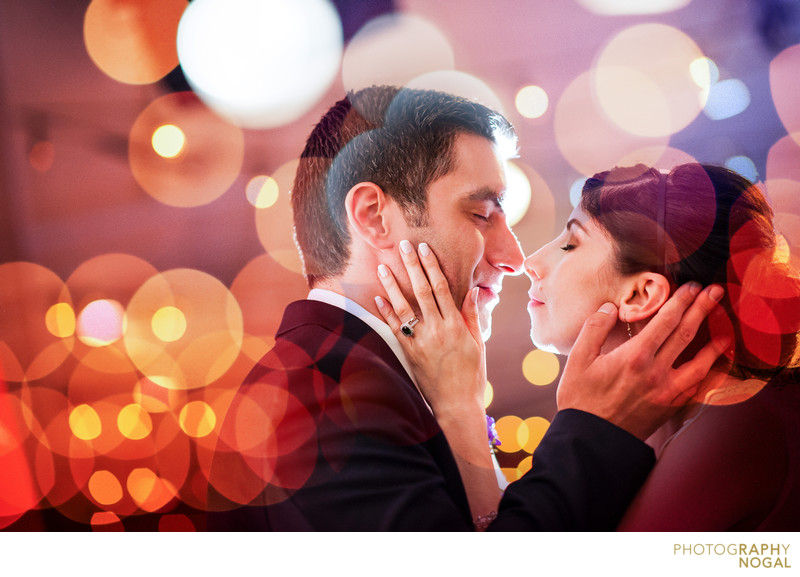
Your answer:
<point x="592" y="336"/>
<point x="692" y="383"/>
<point x="691" y="320"/>
<point x="662" y="326"/>
<point x="419" y="282"/>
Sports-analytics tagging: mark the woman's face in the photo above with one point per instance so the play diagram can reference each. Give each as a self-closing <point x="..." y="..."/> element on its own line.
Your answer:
<point x="571" y="277"/>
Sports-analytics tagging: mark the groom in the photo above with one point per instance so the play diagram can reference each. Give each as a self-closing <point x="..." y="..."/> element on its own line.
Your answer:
<point x="329" y="431"/>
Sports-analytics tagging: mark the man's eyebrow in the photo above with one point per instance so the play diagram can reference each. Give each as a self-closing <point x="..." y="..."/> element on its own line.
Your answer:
<point x="488" y="194"/>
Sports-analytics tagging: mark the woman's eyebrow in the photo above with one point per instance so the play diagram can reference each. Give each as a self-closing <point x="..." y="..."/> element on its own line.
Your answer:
<point x="576" y="222"/>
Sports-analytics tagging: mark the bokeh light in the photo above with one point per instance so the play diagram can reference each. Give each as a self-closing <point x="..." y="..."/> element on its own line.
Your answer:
<point x="168" y="324"/>
<point x="274" y="223"/>
<point x="540" y="367"/>
<point x="784" y="83"/>
<point x="30" y="347"/>
<point x="168" y="140"/>
<point x="197" y="419"/>
<point x="264" y="279"/>
<point x="133" y="41"/>
<point x="623" y="7"/>
<point x="208" y="163"/>
<point x="101" y="323"/>
<point x="106" y="521"/>
<point x="532" y="101"/>
<point x="148" y="490"/>
<point x="60" y="320"/>
<point x="586" y="137"/>
<point x="518" y="194"/>
<point x="704" y="72"/>
<point x="18" y="485"/>
<point x="538" y="225"/>
<point x="105" y="488"/>
<point x="782" y="184"/>
<point x="727" y="98"/>
<point x="488" y="395"/>
<point x="461" y="84"/>
<point x="176" y="522"/>
<point x="523" y="467"/>
<point x="393" y="49"/>
<point x="507" y="428"/>
<point x="111" y="278"/>
<point x="134" y="422"/>
<point x="576" y="190"/>
<point x="84" y="422"/>
<point x="530" y="433"/>
<point x="644" y="83"/>
<point x="262" y="191"/>
<point x="744" y="165"/>
<point x="206" y="348"/>
<point x="260" y="63"/>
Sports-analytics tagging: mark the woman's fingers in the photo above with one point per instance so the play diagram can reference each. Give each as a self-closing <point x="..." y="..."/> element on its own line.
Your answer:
<point x="469" y="310"/>
<point x="388" y="314"/>
<point x="419" y="281"/>
<point x="437" y="280"/>
<point x="400" y="311"/>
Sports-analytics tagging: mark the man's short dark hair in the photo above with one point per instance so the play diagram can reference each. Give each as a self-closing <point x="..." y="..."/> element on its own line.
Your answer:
<point x="397" y="138"/>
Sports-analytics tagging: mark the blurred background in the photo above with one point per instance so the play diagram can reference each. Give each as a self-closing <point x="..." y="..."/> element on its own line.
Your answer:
<point x="149" y="146"/>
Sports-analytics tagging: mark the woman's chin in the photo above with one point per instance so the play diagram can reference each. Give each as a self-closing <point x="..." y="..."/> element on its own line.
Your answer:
<point x="544" y="345"/>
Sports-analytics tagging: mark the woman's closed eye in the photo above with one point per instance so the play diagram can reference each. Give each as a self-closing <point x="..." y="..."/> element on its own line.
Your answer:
<point x="567" y="247"/>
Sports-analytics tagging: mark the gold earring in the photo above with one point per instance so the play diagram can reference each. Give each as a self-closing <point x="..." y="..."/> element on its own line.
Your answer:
<point x="627" y="324"/>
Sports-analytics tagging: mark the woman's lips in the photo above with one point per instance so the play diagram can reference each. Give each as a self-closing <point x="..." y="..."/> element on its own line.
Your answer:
<point x="534" y="302"/>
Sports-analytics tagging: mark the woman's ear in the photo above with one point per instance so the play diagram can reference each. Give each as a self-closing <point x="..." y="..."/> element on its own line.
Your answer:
<point x="370" y="214"/>
<point x="643" y="294"/>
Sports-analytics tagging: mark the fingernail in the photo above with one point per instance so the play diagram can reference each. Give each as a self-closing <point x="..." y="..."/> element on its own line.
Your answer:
<point x="715" y="293"/>
<point x="405" y="246"/>
<point x="380" y="302"/>
<point x="694" y="287"/>
<point x="607" y="308"/>
<point x="383" y="270"/>
<point x="424" y="249"/>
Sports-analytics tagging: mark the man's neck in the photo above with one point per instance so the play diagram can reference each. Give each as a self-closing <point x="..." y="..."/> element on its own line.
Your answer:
<point x="362" y="293"/>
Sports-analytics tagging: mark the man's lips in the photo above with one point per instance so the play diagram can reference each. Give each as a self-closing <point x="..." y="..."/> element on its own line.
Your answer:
<point x="491" y="291"/>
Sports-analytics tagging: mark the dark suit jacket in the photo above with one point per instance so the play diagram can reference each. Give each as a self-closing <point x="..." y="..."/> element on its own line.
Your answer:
<point x="329" y="433"/>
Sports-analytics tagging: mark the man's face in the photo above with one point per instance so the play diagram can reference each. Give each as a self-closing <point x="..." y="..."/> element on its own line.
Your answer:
<point x="467" y="228"/>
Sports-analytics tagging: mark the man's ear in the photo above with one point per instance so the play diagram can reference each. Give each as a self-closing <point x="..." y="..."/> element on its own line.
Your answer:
<point x="370" y="214"/>
<point x="643" y="294"/>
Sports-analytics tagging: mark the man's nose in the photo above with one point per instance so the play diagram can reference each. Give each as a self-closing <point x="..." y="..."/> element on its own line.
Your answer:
<point x="507" y="254"/>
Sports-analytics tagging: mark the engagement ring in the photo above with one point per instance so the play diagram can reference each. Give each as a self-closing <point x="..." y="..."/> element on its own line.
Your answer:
<point x="408" y="327"/>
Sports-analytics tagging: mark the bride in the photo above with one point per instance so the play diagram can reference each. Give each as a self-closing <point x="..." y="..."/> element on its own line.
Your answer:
<point x="730" y="460"/>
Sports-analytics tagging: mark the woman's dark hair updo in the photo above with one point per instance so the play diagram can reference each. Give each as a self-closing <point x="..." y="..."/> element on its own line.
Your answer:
<point x="707" y="224"/>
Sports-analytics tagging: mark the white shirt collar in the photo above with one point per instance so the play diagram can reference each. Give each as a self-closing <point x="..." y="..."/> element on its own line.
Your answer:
<point x="380" y="327"/>
<point x="376" y="324"/>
